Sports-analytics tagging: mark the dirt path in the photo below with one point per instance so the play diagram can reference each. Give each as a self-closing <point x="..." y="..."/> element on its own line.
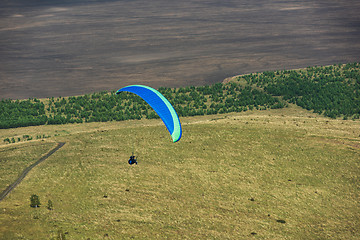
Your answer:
<point x="27" y="170"/>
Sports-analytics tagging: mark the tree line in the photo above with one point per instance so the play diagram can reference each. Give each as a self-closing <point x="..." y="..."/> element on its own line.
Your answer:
<point x="331" y="90"/>
<point x="24" y="113"/>
<point x="107" y="106"/>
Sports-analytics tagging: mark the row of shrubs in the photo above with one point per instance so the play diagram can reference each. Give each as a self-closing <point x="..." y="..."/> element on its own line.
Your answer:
<point x="25" y="138"/>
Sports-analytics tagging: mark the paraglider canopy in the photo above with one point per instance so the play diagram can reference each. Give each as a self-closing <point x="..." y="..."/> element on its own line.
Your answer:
<point x="161" y="106"/>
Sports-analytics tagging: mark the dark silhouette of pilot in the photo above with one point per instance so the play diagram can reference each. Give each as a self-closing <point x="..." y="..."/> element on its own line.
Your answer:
<point x="132" y="160"/>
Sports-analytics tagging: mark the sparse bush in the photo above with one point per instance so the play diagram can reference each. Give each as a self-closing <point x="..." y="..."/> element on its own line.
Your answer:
<point x="50" y="205"/>
<point x="61" y="235"/>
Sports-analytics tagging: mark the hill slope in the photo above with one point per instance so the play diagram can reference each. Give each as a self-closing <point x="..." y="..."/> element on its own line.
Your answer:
<point x="274" y="174"/>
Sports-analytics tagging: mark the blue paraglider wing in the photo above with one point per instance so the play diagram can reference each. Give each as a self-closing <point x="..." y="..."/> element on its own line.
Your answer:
<point x="161" y="106"/>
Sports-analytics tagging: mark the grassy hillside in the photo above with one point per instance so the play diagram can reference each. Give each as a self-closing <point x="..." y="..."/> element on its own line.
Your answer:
<point x="274" y="174"/>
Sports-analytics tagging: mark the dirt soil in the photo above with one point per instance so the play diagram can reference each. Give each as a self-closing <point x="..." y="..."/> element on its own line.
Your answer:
<point x="64" y="48"/>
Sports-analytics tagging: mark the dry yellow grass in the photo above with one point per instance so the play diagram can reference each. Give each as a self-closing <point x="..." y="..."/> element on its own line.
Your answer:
<point x="233" y="176"/>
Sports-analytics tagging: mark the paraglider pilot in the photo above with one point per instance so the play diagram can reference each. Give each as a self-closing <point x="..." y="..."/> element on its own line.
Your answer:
<point x="132" y="160"/>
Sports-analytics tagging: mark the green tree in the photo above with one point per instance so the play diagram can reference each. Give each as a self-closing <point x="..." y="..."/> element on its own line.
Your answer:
<point x="34" y="201"/>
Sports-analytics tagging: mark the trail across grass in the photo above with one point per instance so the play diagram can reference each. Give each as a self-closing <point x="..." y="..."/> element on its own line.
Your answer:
<point x="28" y="169"/>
